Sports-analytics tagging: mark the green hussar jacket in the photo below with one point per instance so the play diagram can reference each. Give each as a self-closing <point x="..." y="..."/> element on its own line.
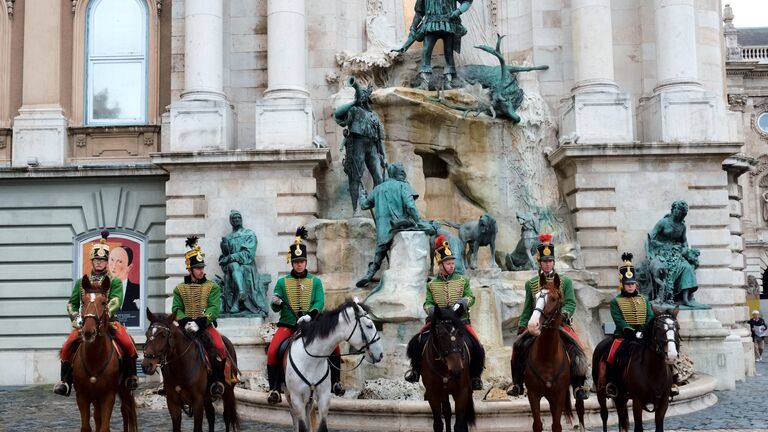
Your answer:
<point x="532" y="289"/>
<point x="630" y="312"/>
<point x="198" y="299"/>
<point x="300" y="297"/>
<point x="445" y="292"/>
<point x="115" y="295"/>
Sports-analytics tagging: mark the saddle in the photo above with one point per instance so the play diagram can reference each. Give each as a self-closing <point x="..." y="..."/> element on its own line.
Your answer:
<point x="282" y="350"/>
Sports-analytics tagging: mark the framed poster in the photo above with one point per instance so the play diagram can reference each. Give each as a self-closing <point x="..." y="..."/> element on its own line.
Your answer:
<point x="127" y="262"/>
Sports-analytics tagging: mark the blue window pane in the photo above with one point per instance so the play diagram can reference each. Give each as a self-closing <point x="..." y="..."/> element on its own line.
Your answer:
<point x="762" y="122"/>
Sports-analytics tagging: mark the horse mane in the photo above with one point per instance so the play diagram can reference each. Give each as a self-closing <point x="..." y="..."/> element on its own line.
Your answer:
<point x="447" y="314"/>
<point x="326" y="322"/>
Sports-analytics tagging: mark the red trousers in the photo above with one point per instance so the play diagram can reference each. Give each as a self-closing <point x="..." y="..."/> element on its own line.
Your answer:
<point x="218" y="342"/>
<point x="614" y="347"/>
<point x="121" y="335"/>
<point x="282" y="334"/>
<point x="466" y="326"/>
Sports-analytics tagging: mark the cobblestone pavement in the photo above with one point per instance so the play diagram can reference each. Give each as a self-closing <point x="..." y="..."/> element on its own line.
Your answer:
<point x="36" y="408"/>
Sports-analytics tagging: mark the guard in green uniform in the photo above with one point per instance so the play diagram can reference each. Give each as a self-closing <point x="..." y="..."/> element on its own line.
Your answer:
<point x="631" y="312"/>
<point x="298" y="297"/>
<point x="448" y="290"/>
<point x="99" y="256"/>
<point x="545" y="254"/>
<point x="197" y="305"/>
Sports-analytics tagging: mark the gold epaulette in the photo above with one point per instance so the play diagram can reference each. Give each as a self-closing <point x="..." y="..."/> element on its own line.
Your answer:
<point x="195" y="298"/>
<point x="299" y="292"/>
<point x="633" y="309"/>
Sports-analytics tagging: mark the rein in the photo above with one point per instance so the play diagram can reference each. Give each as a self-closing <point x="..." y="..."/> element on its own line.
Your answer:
<point x="547" y="318"/>
<point x="163" y="356"/>
<point x="361" y="350"/>
<point x="441" y="357"/>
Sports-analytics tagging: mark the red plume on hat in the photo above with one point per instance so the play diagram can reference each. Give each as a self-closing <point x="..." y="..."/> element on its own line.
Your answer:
<point x="545" y="238"/>
<point x="439" y="240"/>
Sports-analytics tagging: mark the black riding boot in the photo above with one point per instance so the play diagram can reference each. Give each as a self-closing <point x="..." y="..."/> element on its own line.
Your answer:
<point x="579" y="390"/>
<point x="518" y="376"/>
<point x="217" y="369"/>
<point x="414" y="350"/>
<point x="477" y="365"/>
<point x="336" y="387"/>
<point x="64" y="387"/>
<point x="129" y="370"/>
<point x="273" y="376"/>
<point x="612" y="379"/>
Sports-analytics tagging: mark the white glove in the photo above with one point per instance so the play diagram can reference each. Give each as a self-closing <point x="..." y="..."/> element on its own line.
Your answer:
<point x="639" y="335"/>
<point x="191" y="327"/>
<point x="277" y="301"/>
<point x="77" y="322"/>
<point x="456" y="307"/>
<point x="303" y="318"/>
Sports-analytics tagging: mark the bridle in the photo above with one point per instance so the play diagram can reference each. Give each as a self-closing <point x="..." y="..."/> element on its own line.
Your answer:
<point x="442" y="355"/>
<point x="661" y="323"/>
<point x="96" y="316"/>
<point x="162" y="355"/>
<point x="547" y="319"/>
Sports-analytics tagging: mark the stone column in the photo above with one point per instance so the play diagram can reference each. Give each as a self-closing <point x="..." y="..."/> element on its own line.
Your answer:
<point x="284" y="117"/>
<point x="40" y="129"/>
<point x="679" y="109"/>
<point x="203" y="118"/>
<point x="596" y="112"/>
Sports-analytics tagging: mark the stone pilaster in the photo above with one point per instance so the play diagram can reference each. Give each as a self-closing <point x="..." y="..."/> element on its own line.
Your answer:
<point x="679" y="110"/>
<point x="203" y="118"/>
<point x="40" y="129"/>
<point x="284" y="117"/>
<point x="596" y="111"/>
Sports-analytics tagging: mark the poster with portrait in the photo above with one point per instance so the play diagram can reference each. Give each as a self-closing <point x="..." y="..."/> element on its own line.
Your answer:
<point x="126" y="263"/>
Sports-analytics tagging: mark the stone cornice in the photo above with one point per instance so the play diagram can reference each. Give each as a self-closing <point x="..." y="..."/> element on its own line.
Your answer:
<point x="581" y="151"/>
<point x="312" y="156"/>
<point x="101" y="170"/>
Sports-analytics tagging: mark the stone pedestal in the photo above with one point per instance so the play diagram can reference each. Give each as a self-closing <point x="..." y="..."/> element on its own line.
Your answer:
<point x="250" y="338"/>
<point x="597" y="117"/>
<point x="713" y="350"/>
<point x="486" y="320"/>
<point x="284" y="123"/>
<point x="40" y="137"/>
<point x="202" y="125"/>
<point x="685" y="115"/>
<point x="399" y="296"/>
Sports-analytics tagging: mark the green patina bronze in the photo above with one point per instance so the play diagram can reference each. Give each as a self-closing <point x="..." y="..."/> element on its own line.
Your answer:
<point x="243" y="288"/>
<point x="362" y="144"/>
<point x="671" y="264"/>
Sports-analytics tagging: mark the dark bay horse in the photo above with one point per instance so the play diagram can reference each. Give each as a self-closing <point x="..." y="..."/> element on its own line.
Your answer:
<point x="181" y="358"/>
<point x="445" y="371"/>
<point x="96" y="368"/>
<point x="647" y="373"/>
<point x="548" y="368"/>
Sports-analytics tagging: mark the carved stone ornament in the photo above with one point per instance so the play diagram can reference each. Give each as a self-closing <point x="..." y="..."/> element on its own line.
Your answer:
<point x="760" y="168"/>
<point x="737" y="102"/>
<point x="9" y="7"/>
<point x="80" y="140"/>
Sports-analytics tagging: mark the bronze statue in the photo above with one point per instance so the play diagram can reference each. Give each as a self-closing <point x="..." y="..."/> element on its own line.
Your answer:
<point x="437" y="19"/>
<point x="667" y="246"/>
<point x="522" y="258"/>
<point x="362" y="143"/>
<point x="244" y="289"/>
<point x="394" y="207"/>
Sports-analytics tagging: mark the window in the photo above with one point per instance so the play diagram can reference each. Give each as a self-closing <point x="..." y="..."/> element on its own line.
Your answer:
<point x="116" y="62"/>
<point x="762" y="122"/>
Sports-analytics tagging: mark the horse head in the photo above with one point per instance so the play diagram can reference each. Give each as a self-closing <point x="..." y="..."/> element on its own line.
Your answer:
<point x="546" y="310"/>
<point x="448" y="340"/>
<point x="364" y="336"/>
<point x="159" y="342"/>
<point x="665" y="333"/>
<point x="95" y="308"/>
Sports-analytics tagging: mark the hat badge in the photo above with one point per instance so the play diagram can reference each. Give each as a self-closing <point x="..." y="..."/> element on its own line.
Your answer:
<point x="547" y="251"/>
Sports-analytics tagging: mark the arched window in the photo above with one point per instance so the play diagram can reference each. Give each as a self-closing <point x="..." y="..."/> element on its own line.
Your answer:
<point x="116" y="46"/>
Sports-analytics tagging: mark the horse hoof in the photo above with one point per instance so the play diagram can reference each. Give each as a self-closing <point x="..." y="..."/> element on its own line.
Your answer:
<point x="274" y="397"/>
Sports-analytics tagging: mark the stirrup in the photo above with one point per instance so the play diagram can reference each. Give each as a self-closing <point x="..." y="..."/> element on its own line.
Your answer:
<point x="515" y="391"/>
<point x="338" y="389"/>
<point x="132" y="382"/>
<point x="62" y="388"/>
<point x="217" y="389"/>
<point x="674" y="391"/>
<point x="581" y="392"/>
<point x="611" y="390"/>
<point x="274" y="397"/>
<point x="477" y="383"/>
<point x="412" y="376"/>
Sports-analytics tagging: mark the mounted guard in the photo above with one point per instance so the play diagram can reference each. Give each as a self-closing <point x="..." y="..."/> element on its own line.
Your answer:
<point x="298" y="297"/>
<point x="448" y="290"/>
<point x="545" y="255"/>
<point x="99" y="257"/>
<point x="196" y="306"/>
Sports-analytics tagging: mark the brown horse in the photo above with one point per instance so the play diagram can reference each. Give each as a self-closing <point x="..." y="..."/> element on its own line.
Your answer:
<point x="96" y="366"/>
<point x="181" y="358"/>
<point x="647" y="374"/>
<point x="445" y="371"/>
<point x="548" y="369"/>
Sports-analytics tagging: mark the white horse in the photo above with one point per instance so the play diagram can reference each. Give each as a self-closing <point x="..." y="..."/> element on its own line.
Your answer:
<point x="307" y="372"/>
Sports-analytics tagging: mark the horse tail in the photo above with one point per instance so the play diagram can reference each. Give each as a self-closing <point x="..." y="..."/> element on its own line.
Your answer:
<point x="231" y="418"/>
<point x="470" y="411"/>
<point x="567" y="407"/>
<point x="128" y="410"/>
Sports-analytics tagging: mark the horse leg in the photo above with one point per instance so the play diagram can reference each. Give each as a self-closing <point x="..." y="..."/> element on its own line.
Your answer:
<point x="210" y="414"/>
<point x="197" y="412"/>
<point x="556" y="410"/>
<point x="661" y="412"/>
<point x="299" y="413"/>
<point x="446" y="408"/>
<point x="535" y="403"/>
<point x="601" y="399"/>
<point x="85" y="413"/>
<point x="128" y="410"/>
<point x="580" y="414"/>
<point x="435" y="403"/>
<point x="323" y="405"/>
<point x="174" y="408"/>
<point x="621" y="410"/>
<point x="105" y="406"/>
<point x="637" y="411"/>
